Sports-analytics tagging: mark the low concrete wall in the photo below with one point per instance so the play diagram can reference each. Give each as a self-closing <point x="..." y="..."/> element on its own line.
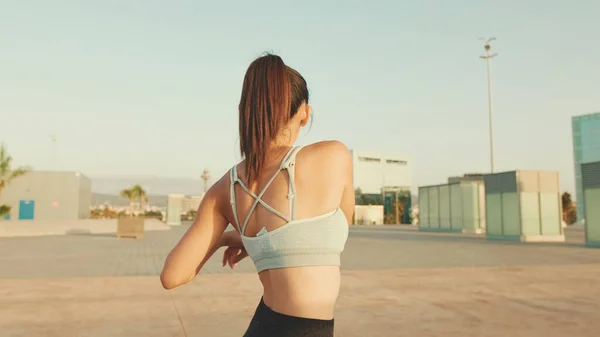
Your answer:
<point x="15" y="228"/>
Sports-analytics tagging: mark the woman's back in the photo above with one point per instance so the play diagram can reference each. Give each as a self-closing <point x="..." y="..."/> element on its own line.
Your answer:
<point x="291" y="208"/>
<point x="307" y="284"/>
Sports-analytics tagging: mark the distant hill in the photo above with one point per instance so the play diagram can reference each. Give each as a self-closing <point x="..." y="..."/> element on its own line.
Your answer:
<point x="106" y="189"/>
<point x="113" y="199"/>
<point x="112" y="185"/>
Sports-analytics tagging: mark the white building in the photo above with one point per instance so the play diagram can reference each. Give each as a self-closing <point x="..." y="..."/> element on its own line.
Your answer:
<point x="373" y="170"/>
<point x="40" y="195"/>
<point x="192" y="203"/>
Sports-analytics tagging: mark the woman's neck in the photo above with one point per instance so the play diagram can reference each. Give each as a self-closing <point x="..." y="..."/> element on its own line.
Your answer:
<point x="282" y="143"/>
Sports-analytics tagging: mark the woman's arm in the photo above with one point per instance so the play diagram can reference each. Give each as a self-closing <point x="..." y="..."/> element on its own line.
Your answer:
<point x="199" y="243"/>
<point x="344" y="169"/>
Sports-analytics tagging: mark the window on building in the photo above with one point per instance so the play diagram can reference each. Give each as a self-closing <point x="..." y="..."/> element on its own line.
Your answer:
<point x="369" y="159"/>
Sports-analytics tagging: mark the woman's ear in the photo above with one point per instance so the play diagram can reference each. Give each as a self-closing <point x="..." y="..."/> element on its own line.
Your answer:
<point x="306" y="115"/>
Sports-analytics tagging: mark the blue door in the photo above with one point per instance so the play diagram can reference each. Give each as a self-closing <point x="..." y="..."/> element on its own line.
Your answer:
<point x="26" y="209"/>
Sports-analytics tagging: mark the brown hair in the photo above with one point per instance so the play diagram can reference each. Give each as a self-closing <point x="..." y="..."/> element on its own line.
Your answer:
<point x="272" y="93"/>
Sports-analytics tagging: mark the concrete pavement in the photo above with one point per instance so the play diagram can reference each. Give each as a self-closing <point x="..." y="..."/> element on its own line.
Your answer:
<point x="396" y="282"/>
<point x="397" y="247"/>
<point x="33" y="228"/>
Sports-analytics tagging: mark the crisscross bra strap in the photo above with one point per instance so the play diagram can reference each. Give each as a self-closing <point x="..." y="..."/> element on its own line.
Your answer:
<point x="288" y="163"/>
<point x="233" y="179"/>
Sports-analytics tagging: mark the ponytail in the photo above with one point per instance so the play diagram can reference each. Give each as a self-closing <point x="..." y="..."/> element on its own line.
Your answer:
<point x="263" y="111"/>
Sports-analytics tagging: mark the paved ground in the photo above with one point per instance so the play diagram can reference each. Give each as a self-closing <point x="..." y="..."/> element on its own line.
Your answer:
<point x="368" y="249"/>
<point x="16" y="228"/>
<point x="396" y="282"/>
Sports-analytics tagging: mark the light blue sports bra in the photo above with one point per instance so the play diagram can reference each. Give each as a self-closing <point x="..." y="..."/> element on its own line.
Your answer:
<point x="315" y="241"/>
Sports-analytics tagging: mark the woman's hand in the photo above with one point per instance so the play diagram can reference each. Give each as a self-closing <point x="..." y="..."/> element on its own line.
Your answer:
<point x="235" y="251"/>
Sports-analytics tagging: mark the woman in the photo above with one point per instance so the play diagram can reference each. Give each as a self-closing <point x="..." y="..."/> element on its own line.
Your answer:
<point x="290" y="206"/>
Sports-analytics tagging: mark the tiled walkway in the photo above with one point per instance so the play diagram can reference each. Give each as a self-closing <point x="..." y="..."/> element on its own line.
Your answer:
<point x="396" y="282"/>
<point x="367" y="249"/>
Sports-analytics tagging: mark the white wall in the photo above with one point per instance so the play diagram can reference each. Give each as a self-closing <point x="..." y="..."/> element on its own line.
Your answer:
<point x="191" y="203"/>
<point x="85" y="195"/>
<point x="373" y="170"/>
<point x="368" y="215"/>
<point x="174" y="208"/>
<point x="57" y="195"/>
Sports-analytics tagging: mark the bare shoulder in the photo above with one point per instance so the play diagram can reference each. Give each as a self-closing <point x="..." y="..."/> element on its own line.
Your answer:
<point x="218" y="193"/>
<point x="330" y="151"/>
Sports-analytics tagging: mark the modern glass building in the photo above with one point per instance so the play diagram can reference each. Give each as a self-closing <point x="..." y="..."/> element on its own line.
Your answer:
<point x="586" y="149"/>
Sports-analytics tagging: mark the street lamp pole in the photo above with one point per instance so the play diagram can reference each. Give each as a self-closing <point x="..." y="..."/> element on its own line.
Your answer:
<point x="488" y="58"/>
<point x="205" y="176"/>
<point x="53" y="139"/>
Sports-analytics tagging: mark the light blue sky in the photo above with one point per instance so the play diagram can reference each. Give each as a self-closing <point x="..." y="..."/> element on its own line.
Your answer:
<point x="152" y="87"/>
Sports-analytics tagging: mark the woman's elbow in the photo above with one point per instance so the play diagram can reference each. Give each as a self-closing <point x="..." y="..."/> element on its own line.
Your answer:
<point x="168" y="280"/>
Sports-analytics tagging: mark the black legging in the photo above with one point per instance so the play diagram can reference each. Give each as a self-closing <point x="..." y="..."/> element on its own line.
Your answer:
<point x="268" y="323"/>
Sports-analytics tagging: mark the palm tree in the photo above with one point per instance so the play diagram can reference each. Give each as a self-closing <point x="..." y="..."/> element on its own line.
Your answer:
<point x="4" y="210"/>
<point x="140" y="194"/>
<point x="128" y="194"/>
<point x="7" y="174"/>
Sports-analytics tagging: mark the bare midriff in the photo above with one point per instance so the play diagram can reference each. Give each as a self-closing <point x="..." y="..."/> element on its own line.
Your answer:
<point x="309" y="292"/>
